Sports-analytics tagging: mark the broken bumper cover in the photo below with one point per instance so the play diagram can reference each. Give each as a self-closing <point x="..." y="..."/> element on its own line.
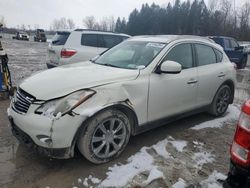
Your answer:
<point x="238" y="177"/>
<point x="60" y="153"/>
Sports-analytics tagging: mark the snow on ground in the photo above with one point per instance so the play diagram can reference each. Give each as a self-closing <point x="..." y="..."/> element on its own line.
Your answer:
<point x="212" y="180"/>
<point x="180" y="184"/>
<point x="145" y="166"/>
<point x="232" y="114"/>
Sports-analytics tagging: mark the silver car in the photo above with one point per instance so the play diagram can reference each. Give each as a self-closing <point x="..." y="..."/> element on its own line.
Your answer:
<point x="142" y="83"/>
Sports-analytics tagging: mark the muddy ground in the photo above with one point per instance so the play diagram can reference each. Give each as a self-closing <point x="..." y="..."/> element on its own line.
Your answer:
<point x="21" y="167"/>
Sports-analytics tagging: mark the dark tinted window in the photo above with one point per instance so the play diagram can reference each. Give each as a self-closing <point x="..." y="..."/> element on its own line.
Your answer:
<point x="108" y="41"/>
<point x="227" y="43"/>
<point x="205" y="55"/>
<point x="217" y="40"/>
<point x="60" y="38"/>
<point x="89" y="40"/>
<point x="181" y="54"/>
<point x="219" y="55"/>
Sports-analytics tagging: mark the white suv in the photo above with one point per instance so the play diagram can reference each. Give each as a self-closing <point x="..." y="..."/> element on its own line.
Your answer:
<point x="80" y="45"/>
<point x="142" y="83"/>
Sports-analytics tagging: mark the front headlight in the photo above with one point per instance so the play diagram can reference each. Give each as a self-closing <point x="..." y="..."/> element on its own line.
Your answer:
<point x="60" y="107"/>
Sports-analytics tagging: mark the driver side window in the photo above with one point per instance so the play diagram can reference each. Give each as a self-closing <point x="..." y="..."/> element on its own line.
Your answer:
<point x="182" y="54"/>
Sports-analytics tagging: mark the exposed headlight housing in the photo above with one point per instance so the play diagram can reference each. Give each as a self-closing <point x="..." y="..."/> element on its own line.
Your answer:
<point x="64" y="105"/>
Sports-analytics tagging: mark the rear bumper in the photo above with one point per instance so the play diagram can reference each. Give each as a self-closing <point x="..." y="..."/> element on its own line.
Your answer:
<point x="22" y="137"/>
<point x="238" y="177"/>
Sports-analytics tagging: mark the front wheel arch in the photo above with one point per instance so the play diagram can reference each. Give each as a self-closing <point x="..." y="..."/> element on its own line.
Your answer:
<point x="123" y="107"/>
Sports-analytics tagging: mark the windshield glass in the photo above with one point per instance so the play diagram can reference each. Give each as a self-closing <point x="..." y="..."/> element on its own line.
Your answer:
<point x="131" y="54"/>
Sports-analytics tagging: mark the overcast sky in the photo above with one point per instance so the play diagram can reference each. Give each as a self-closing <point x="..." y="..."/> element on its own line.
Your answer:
<point x="43" y="12"/>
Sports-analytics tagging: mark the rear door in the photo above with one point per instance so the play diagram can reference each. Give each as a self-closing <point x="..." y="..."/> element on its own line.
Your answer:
<point x="55" y="47"/>
<point x="211" y="72"/>
<point x="171" y="94"/>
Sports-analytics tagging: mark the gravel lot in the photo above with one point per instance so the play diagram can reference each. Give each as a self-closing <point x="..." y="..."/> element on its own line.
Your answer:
<point x="191" y="155"/>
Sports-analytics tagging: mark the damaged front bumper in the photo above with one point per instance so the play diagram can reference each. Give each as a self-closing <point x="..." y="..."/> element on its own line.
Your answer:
<point x="59" y="153"/>
<point x="52" y="137"/>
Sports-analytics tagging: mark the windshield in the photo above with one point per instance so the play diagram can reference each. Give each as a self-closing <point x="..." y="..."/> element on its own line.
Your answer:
<point x="131" y="54"/>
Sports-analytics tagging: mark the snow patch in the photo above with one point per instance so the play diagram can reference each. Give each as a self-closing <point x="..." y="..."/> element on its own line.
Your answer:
<point x="179" y="145"/>
<point x="202" y="158"/>
<point x="232" y="113"/>
<point x="154" y="174"/>
<point x="119" y="175"/>
<point x="160" y="149"/>
<point x="212" y="180"/>
<point x="180" y="184"/>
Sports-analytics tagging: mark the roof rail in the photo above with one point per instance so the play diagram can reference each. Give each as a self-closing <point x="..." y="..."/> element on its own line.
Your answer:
<point x="99" y="31"/>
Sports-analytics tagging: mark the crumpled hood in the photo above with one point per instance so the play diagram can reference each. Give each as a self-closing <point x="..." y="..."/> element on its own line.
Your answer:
<point x="60" y="81"/>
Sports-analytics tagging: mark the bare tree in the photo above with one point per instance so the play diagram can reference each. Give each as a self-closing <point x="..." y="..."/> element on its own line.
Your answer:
<point x="2" y="21"/>
<point x="71" y="24"/>
<point x="89" y="22"/>
<point x="62" y="23"/>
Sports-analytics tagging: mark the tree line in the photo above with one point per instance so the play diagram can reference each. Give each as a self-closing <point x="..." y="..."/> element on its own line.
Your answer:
<point x="186" y="18"/>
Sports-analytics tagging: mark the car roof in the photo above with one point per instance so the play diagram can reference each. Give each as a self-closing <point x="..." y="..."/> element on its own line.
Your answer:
<point x="100" y="32"/>
<point x="221" y="37"/>
<point x="170" y="38"/>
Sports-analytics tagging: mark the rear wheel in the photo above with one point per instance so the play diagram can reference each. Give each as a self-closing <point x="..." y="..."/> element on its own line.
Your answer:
<point x="105" y="136"/>
<point x="221" y="101"/>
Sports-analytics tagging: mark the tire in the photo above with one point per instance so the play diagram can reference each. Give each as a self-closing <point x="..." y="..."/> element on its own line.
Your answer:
<point x="243" y="63"/>
<point x="97" y="143"/>
<point x="221" y="101"/>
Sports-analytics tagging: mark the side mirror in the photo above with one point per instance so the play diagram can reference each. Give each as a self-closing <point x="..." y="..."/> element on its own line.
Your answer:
<point x="169" y="67"/>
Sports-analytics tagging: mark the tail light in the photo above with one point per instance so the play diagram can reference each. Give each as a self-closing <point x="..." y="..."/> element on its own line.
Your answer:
<point x="240" y="149"/>
<point x="66" y="53"/>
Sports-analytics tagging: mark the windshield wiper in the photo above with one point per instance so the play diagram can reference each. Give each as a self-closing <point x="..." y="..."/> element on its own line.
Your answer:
<point x="110" y="65"/>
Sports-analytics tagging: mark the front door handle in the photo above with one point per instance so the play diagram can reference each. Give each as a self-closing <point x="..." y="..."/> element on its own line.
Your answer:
<point x="192" y="81"/>
<point x="221" y="75"/>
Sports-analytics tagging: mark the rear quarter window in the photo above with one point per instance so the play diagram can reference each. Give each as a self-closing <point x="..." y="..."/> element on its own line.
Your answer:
<point x="60" y="38"/>
<point x="219" y="55"/>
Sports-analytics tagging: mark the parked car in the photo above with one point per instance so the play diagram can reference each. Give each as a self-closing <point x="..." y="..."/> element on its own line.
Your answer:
<point x="40" y="36"/>
<point x="21" y="35"/>
<point x="142" y="83"/>
<point x="239" y="174"/>
<point x="234" y="51"/>
<point x="80" y="45"/>
<point x="246" y="47"/>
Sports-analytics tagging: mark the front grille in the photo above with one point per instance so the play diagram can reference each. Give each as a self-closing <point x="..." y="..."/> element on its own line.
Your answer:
<point x="22" y="101"/>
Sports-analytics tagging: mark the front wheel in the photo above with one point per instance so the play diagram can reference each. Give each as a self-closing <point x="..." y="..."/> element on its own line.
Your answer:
<point x="221" y="101"/>
<point x="105" y="137"/>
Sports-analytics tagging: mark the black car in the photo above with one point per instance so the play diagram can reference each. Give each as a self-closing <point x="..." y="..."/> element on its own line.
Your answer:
<point x="239" y="174"/>
<point x="40" y="36"/>
<point x="234" y="51"/>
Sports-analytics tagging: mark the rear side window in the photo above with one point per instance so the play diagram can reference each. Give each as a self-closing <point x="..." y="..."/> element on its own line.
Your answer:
<point x="219" y="56"/>
<point x="234" y="44"/>
<point x="89" y="40"/>
<point x="182" y="54"/>
<point x="205" y="54"/>
<point x="60" y="38"/>
<point x="227" y="43"/>
<point x="218" y="40"/>
<point x="108" y="41"/>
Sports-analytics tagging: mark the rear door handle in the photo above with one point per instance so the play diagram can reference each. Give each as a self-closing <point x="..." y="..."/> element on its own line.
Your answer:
<point x="192" y="81"/>
<point x="221" y="75"/>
